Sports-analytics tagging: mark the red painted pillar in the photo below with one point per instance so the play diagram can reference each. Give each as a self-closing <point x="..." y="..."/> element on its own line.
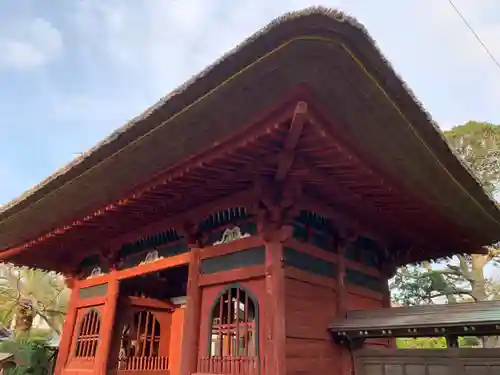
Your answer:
<point x="68" y="328"/>
<point x="345" y="355"/>
<point x="191" y="331"/>
<point x="274" y="318"/>
<point x="388" y="273"/>
<point x="107" y="323"/>
<point x="341" y="289"/>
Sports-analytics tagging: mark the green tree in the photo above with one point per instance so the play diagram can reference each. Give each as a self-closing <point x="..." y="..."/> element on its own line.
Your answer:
<point x="28" y="293"/>
<point x="462" y="277"/>
<point x="478" y="144"/>
<point x="31" y="356"/>
<point x="433" y="342"/>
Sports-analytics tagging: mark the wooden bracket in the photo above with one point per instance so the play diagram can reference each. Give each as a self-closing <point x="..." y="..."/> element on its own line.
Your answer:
<point x="109" y="257"/>
<point x="70" y="281"/>
<point x="352" y="343"/>
<point x="276" y="204"/>
<point x="287" y="155"/>
<point x="193" y="234"/>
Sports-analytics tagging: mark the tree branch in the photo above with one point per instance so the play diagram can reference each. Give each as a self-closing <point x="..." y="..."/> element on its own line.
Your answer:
<point x="47" y="320"/>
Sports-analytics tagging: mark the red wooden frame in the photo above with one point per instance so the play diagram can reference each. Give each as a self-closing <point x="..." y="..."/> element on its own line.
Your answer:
<point x="88" y="335"/>
<point x="288" y="186"/>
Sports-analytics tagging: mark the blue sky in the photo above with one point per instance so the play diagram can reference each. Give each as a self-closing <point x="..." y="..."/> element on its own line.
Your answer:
<point x="71" y="74"/>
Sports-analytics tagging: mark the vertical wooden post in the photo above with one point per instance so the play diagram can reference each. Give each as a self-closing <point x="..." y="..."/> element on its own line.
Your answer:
<point x="275" y="349"/>
<point x="191" y="331"/>
<point x="107" y="323"/>
<point x="69" y="326"/>
<point x="341" y="289"/>
<point x="342" y="303"/>
<point x="388" y="270"/>
<point x="387" y="273"/>
<point x="452" y="341"/>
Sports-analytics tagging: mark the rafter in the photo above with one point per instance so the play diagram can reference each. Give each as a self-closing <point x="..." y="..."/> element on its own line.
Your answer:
<point x="335" y="189"/>
<point x="330" y="130"/>
<point x="287" y="155"/>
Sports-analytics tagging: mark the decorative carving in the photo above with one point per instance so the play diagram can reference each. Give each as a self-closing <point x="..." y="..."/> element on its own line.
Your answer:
<point x="96" y="271"/>
<point x="151" y="257"/>
<point x="230" y="235"/>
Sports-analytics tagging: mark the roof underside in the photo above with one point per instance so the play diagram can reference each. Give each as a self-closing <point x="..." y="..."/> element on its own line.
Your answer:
<point x="361" y="102"/>
<point x="479" y="318"/>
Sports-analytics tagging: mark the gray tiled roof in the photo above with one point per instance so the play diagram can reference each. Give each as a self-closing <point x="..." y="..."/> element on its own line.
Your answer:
<point x="431" y="316"/>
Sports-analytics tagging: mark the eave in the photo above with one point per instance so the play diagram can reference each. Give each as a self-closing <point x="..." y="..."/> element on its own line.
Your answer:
<point x="464" y="319"/>
<point x="352" y="192"/>
<point x="353" y="87"/>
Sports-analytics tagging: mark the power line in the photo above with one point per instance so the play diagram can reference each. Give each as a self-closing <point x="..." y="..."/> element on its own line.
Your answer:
<point x="485" y="47"/>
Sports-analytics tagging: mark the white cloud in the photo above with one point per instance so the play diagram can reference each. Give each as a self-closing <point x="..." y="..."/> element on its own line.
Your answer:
<point x="169" y="41"/>
<point x="157" y="45"/>
<point x="28" y="43"/>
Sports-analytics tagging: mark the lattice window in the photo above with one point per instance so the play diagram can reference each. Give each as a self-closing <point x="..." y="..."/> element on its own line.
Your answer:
<point x="88" y="335"/>
<point x="140" y="344"/>
<point x="233" y="336"/>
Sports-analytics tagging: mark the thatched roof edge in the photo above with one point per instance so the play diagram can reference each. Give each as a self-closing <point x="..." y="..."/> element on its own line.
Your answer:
<point x="56" y="179"/>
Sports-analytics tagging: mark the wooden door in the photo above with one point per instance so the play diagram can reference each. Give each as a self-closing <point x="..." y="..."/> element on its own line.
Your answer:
<point x="85" y="338"/>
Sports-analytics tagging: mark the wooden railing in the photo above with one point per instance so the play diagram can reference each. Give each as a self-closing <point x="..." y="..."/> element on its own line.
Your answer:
<point x="144" y="364"/>
<point x="228" y="365"/>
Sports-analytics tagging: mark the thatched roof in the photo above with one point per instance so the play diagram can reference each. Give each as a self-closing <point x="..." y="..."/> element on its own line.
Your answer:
<point x="324" y="49"/>
<point x="6" y="357"/>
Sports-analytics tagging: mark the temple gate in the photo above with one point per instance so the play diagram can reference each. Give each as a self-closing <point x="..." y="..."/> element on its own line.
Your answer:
<point x="226" y="228"/>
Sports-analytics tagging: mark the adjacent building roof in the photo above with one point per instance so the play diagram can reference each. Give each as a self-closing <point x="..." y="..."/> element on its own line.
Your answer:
<point x="6" y="357"/>
<point x="481" y="318"/>
<point x="6" y="334"/>
<point x="322" y="49"/>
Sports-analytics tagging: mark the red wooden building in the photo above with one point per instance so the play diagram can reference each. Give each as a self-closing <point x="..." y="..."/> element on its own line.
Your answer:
<point x="223" y="230"/>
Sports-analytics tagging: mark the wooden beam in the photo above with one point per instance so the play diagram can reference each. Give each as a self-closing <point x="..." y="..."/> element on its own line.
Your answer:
<point x="92" y="301"/>
<point x="191" y="331"/>
<point x="341" y="272"/>
<point x="247" y="273"/>
<point x="243" y="198"/>
<point x="246" y="197"/>
<point x="196" y="213"/>
<point x="317" y="252"/>
<point x="232" y="247"/>
<point x="332" y="130"/>
<point x="286" y="156"/>
<point x="103" y="279"/>
<point x="343" y="219"/>
<point x="107" y="324"/>
<point x="364" y="292"/>
<point x="452" y="342"/>
<point x="389" y="226"/>
<point x="152" y="303"/>
<point x="387" y="272"/>
<point x="244" y="173"/>
<point x="246" y="134"/>
<point x="159" y="265"/>
<point x="255" y="128"/>
<point x="275" y="348"/>
<point x="310" y="278"/>
<point x="68" y="330"/>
